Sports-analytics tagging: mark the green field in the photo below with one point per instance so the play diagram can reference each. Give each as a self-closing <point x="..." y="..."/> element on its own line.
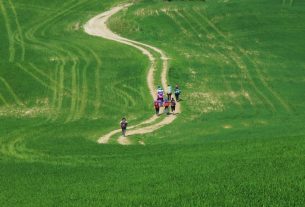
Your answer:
<point x="239" y="141"/>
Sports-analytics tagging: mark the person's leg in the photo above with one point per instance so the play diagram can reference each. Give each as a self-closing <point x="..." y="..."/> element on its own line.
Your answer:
<point x="176" y="96"/>
<point x="124" y="132"/>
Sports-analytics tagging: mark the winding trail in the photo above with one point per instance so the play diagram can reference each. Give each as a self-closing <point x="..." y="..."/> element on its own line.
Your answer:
<point x="97" y="26"/>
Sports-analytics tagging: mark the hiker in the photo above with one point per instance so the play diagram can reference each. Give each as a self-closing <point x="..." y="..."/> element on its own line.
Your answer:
<point x="173" y="105"/>
<point x="159" y="90"/>
<point x="124" y="124"/>
<point x="166" y="106"/>
<point x="177" y="93"/>
<point x="157" y="107"/>
<point x="169" y="92"/>
<point x="160" y="95"/>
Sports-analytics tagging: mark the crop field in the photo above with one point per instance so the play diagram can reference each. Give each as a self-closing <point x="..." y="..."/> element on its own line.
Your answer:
<point x="238" y="141"/>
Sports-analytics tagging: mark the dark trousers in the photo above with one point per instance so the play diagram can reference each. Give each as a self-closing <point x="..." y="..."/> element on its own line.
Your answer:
<point x="177" y="96"/>
<point x="124" y="132"/>
<point x="169" y="96"/>
<point x="157" y="110"/>
<point x="166" y="110"/>
<point x="173" y="108"/>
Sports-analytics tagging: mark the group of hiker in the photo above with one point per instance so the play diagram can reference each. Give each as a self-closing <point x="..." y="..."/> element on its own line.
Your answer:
<point x="167" y="102"/>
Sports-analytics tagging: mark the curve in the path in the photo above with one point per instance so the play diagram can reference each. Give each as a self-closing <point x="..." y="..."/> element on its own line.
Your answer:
<point x="97" y="27"/>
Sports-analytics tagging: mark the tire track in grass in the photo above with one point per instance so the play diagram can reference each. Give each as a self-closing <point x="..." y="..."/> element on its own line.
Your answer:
<point x="43" y="74"/>
<point x="35" y="77"/>
<point x="230" y="57"/>
<point x="10" y="36"/>
<point x="97" y="104"/>
<point x="18" y="29"/>
<point x="256" y="67"/>
<point x="74" y="91"/>
<point x="11" y="91"/>
<point x="81" y="81"/>
<point x="61" y="89"/>
<point x="3" y="100"/>
<point x="246" y="75"/>
<point x="200" y="38"/>
<point x="97" y="27"/>
<point x="83" y="98"/>
<point x="54" y="94"/>
<point x="59" y="52"/>
<point x="242" y="67"/>
<point x="125" y="96"/>
<point x="291" y="2"/>
<point x="179" y="25"/>
<point x="221" y="54"/>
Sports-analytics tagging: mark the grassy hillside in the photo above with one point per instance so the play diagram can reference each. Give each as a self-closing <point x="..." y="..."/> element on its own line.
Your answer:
<point x="239" y="141"/>
<point x="53" y="77"/>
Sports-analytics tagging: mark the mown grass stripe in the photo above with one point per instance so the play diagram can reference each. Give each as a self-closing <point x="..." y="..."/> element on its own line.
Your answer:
<point x="97" y="102"/>
<point x="61" y="87"/>
<point x="84" y="90"/>
<point x="74" y="90"/>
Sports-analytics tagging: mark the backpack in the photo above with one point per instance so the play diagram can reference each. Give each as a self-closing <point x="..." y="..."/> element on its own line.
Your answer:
<point x="160" y="95"/>
<point x="156" y="104"/>
<point x="123" y="124"/>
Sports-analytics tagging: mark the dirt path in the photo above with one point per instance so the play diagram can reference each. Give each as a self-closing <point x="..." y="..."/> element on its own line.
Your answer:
<point x="97" y="27"/>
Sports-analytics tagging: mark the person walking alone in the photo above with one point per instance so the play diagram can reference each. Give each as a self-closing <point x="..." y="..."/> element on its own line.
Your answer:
<point x="124" y="124"/>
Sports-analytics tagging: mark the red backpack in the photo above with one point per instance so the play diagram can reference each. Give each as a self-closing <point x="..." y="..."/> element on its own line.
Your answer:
<point x="156" y="104"/>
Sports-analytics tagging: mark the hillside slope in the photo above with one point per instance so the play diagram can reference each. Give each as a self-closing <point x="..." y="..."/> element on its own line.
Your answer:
<point x="239" y="141"/>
